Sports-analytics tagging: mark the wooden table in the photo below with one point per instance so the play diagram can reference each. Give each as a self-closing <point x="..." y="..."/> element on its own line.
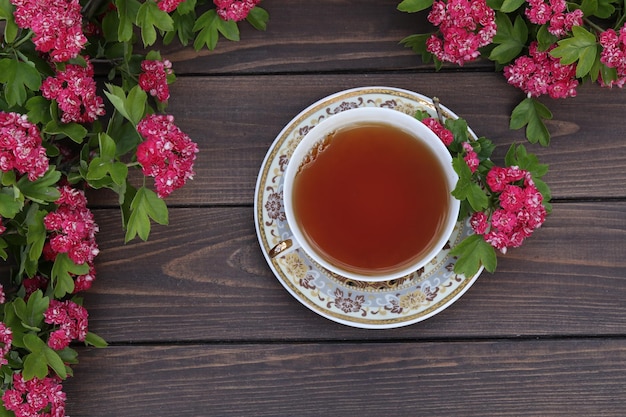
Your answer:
<point x="198" y="324"/>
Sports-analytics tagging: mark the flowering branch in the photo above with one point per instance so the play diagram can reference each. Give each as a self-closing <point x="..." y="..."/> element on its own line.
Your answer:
<point x="55" y="141"/>
<point x="504" y="204"/>
<point x="542" y="47"/>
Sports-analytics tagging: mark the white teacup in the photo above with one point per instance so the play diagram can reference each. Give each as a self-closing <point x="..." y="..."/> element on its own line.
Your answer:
<point x="316" y="142"/>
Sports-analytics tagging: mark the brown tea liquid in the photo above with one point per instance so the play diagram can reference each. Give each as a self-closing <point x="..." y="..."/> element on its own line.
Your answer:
<point x="373" y="200"/>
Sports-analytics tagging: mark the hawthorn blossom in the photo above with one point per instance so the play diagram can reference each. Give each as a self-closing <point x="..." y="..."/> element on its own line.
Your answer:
<point x="234" y="9"/>
<point x="153" y="79"/>
<point x="167" y="154"/>
<point x="471" y="157"/>
<point x="168" y="6"/>
<point x="72" y="321"/>
<point x="464" y="27"/>
<point x="20" y="147"/>
<point x="519" y="210"/>
<point x="613" y="53"/>
<point x="554" y="13"/>
<point x="6" y="339"/>
<point x="35" y="397"/>
<point x="57" y="26"/>
<point x="438" y="129"/>
<point x="73" y="227"/>
<point x="74" y="89"/>
<point x="540" y="73"/>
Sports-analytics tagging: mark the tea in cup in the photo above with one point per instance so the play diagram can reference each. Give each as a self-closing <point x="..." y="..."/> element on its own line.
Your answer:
<point x="367" y="194"/>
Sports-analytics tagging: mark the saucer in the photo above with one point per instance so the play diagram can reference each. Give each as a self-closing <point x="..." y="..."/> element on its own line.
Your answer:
<point x="372" y="305"/>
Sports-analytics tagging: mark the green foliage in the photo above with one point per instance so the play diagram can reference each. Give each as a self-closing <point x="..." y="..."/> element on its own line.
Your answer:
<point x="473" y="253"/>
<point x="581" y="49"/>
<point x="510" y="39"/>
<point x="145" y="205"/>
<point x="531" y="113"/>
<point x="412" y="6"/>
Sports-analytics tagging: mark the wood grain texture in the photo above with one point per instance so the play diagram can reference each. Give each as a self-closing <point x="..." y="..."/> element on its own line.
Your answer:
<point x="464" y="378"/>
<point x="204" y="278"/>
<point x="236" y="119"/>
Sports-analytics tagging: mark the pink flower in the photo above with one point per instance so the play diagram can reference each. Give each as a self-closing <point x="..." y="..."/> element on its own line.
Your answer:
<point x="512" y="198"/>
<point x="444" y="134"/>
<point x="168" y="5"/>
<point x="35" y="397"/>
<point x="540" y="12"/>
<point x="6" y="339"/>
<point x="479" y="222"/>
<point x="540" y="73"/>
<point x="613" y="54"/>
<point x="73" y="227"/>
<point x="21" y="147"/>
<point x="74" y="89"/>
<point x="464" y="27"/>
<point x="471" y="157"/>
<point x="71" y="319"/>
<point x="57" y="26"/>
<point x="167" y="154"/>
<point x="234" y="9"/>
<point x="153" y="79"/>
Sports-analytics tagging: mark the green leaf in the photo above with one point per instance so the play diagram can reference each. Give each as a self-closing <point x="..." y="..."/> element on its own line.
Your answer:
<point x="412" y="6"/>
<point x="42" y="190"/>
<point x="208" y="35"/>
<point x="146" y="205"/>
<point x="93" y="339"/>
<point x="466" y="188"/>
<point x="510" y="38"/>
<point x="117" y="97"/>
<point x="55" y="362"/>
<point x="61" y="279"/>
<point x="127" y="11"/>
<point x="228" y="29"/>
<point x="186" y="7"/>
<point x="10" y="205"/>
<point x="38" y="110"/>
<point x="35" y="365"/>
<point x="605" y="9"/>
<point x="18" y="76"/>
<point x="36" y="234"/>
<point x="107" y="147"/>
<point x="581" y="48"/>
<point x="531" y="113"/>
<point x="589" y="7"/>
<point x="6" y="14"/>
<point x="74" y="131"/>
<point x="136" y="104"/>
<point x="545" y="39"/>
<point x="149" y="18"/>
<point x="258" y="18"/>
<point x="509" y="6"/>
<point x="472" y="253"/>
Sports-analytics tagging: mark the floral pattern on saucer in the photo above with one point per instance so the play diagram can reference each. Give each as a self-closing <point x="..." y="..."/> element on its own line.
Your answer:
<point x="389" y="304"/>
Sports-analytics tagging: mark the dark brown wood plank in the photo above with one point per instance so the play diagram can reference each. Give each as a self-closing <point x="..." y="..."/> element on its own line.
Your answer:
<point x="204" y="277"/>
<point x="321" y="36"/>
<point x="235" y="119"/>
<point x="582" y="377"/>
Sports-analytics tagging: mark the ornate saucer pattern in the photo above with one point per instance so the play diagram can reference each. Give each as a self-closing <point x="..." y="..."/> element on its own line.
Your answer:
<point x="389" y="304"/>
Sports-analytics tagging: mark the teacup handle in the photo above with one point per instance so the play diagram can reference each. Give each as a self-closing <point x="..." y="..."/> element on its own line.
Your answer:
<point x="284" y="246"/>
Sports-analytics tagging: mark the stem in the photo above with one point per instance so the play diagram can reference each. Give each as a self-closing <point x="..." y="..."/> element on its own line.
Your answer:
<point x="593" y="25"/>
<point x="24" y="39"/>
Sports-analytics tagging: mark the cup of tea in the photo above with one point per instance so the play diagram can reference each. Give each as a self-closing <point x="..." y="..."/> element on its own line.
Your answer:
<point x="367" y="194"/>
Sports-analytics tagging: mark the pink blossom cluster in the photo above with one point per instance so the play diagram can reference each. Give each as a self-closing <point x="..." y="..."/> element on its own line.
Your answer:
<point x="234" y="9"/>
<point x="73" y="227"/>
<point x="72" y="321"/>
<point x="35" y="397"/>
<point x="438" y="129"/>
<point x="6" y="339"/>
<point x="554" y="12"/>
<point x="471" y="157"/>
<point x="74" y="89"/>
<point x="540" y="73"/>
<point x="520" y="210"/>
<point x="613" y="53"/>
<point x="167" y="154"/>
<point x="153" y="79"/>
<point x="168" y="5"/>
<point x="3" y="228"/>
<point x="465" y="26"/>
<point x="57" y="26"/>
<point x="20" y="146"/>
